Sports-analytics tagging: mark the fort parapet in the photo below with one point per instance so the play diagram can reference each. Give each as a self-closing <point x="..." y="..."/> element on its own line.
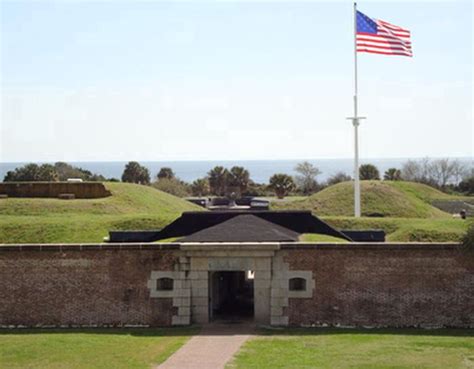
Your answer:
<point x="83" y="190"/>
<point x="296" y="284"/>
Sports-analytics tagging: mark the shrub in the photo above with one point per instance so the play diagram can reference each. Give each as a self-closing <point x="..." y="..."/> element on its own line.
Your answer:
<point x="468" y="239"/>
<point x="166" y="172"/>
<point x="368" y="171"/>
<point x="173" y="186"/>
<point x="392" y="174"/>
<point x="200" y="187"/>
<point x="338" y="178"/>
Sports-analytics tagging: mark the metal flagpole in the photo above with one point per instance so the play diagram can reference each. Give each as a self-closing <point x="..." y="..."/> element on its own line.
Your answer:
<point x="355" y="122"/>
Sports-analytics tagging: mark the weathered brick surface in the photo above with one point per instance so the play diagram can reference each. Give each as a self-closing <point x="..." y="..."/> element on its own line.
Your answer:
<point x="84" y="190"/>
<point x="82" y="288"/>
<point x="385" y="287"/>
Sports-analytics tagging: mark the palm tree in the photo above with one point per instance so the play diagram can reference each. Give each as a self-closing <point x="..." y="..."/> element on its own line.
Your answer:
<point x="218" y="180"/>
<point x="239" y="177"/>
<point x="200" y="187"/>
<point x="392" y="174"/>
<point x="282" y="184"/>
<point x="135" y="173"/>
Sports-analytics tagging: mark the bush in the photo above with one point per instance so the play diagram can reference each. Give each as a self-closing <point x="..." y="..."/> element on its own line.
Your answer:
<point x="368" y="171"/>
<point x="392" y="174"/>
<point x="468" y="239"/>
<point x="166" y="172"/>
<point x="173" y="186"/>
<point x="466" y="186"/>
<point x="200" y="187"/>
<point x="338" y="178"/>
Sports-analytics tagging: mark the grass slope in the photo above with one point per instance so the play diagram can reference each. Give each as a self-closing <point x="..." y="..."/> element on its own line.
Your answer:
<point x="314" y="237"/>
<point x="407" y="229"/>
<point x="387" y="198"/>
<point x="84" y="349"/>
<point x="88" y="220"/>
<point x="368" y="349"/>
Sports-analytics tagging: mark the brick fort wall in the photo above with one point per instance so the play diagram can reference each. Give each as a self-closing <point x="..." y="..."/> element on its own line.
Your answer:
<point x="58" y="286"/>
<point x="398" y="286"/>
<point x="429" y="285"/>
<point x="83" y="190"/>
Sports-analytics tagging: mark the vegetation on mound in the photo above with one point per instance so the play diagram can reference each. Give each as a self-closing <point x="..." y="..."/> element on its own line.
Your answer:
<point x="88" y="220"/>
<point x="314" y="237"/>
<point x="407" y="229"/>
<point x="379" y="198"/>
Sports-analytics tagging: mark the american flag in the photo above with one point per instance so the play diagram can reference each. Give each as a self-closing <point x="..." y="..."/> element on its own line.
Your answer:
<point x="379" y="37"/>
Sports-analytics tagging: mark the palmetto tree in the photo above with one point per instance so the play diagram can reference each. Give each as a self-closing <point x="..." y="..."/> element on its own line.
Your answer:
<point x="392" y="174"/>
<point x="282" y="184"/>
<point x="239" y="177"/>
<point x="200" y="187"/>
<point x="218" y="180"/>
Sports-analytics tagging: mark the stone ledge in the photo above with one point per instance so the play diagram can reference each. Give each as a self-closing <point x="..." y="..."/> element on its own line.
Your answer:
<point x="372" y="246"/>
<point x="60" y="247"/>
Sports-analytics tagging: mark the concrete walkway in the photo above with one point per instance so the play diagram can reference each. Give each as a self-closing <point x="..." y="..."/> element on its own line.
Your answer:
<point x="212" y="348"/>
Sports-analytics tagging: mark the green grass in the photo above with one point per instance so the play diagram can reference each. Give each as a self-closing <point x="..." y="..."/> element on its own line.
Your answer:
<point x="86" y="349"/>
<point x="407" y="229"/>
<point x="314" y="237"/>
<point x="409" y="215"/>
<point x="357" y="349"/>
<point x="386" y="198"/>
<point x="88" y="220"/>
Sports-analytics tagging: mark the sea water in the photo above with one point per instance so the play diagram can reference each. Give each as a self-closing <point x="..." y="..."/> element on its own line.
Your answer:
<point x="260" y="170"/>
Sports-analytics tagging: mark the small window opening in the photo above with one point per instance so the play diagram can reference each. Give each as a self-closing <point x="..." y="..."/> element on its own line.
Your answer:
<point x="250" y="275"/>
<point x="164" y="284"/>
<point x="297" y="284"/>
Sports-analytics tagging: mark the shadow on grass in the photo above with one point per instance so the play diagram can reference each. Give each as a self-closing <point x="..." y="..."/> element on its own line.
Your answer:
<point x="139" y="332"/>
<point x="263" y="331"/>
<point x="447" y="332"/>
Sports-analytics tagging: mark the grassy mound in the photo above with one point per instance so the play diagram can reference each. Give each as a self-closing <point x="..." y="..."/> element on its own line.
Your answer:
<point x="379" y="199"/>
<point x="407" y="229"/>
<point x="88" y="220"/>
<point x="314" y="237"/>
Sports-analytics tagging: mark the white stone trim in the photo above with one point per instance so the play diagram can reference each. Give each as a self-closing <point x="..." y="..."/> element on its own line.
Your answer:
<point x="181" y="293"/>
<point x="307" y="275"/>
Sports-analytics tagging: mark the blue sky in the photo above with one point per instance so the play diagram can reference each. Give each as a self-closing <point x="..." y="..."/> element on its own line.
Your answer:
<point x="229" y="80"/>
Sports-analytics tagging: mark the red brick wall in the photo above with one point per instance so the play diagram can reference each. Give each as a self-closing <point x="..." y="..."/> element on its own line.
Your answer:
<point x="424" y="285"/>
<point x="71" y="287"/>
<point x="84" y="190"/>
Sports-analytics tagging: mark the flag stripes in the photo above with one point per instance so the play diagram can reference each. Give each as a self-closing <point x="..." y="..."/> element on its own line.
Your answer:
<point x="380" y="37"/>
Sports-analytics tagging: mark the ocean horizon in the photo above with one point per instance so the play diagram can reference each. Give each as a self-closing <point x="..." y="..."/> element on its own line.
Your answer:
<point x="260" y="170"/>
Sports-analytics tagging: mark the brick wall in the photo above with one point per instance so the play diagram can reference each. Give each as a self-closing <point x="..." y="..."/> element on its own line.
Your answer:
<point x="428" y="285"/>
<point x="62" y="286"/>
<point x="385" y="285"/>
<point x="84" y="190"/>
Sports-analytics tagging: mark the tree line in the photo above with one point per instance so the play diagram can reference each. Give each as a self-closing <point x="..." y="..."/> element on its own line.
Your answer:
<point x="444" y="174"/>
<point x="59" y="171"/>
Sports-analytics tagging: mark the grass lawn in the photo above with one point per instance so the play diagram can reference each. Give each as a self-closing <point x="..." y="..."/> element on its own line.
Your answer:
<point x="357" y="349"/>
<point x="87" y="349"/>
<point x="407" y="229"/>
<point x="314" y="237"/>
<point x="396" y="199"/>
<point x="32" y="220"/>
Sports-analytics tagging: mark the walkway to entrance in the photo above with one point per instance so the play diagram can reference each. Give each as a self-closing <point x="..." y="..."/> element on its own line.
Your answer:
<point x="212" y="348"/>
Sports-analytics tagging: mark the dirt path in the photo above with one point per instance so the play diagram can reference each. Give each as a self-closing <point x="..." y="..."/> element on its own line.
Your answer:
<point x="212" y="348"/>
